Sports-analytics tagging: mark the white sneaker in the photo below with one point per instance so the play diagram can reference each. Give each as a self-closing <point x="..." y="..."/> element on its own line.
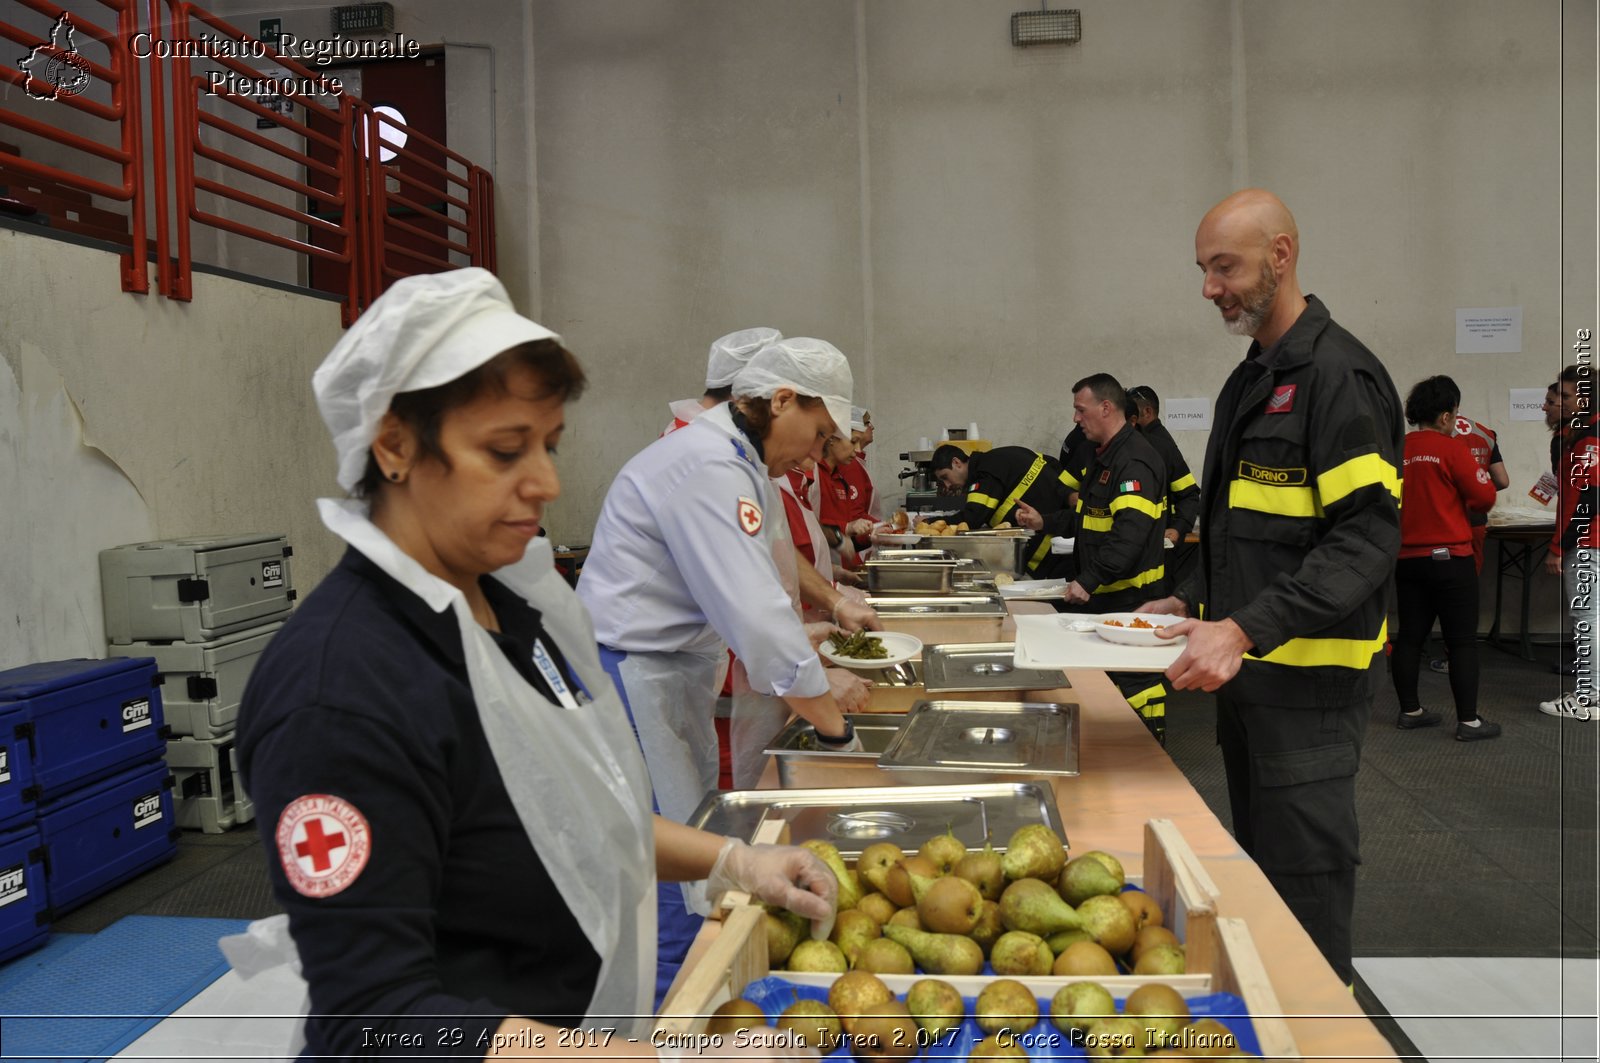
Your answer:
<point x="1568" y="705"/>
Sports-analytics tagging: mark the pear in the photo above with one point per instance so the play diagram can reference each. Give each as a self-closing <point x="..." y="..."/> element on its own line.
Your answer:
<point x="1160" y="1010"/>
<point x="855" y="994"/>
<point x="813" y="1023"/>
<point x="888" y="1034"/>
<point x="852" y="930"/>
<point x="1000" y="1046"/>
<point x="988" y="928"/>
<point x="1207" y="1036"/>
<point x="1151" y="935"/>
<point x="1085" y="958"/>
<point x="938" y="953"/>
<point x="785" y="930"/>
<point x="1059" y="942"/>
<point x="906" y="917"/>
<point x="882" y="956"/>
<point x="1109" y="920"/>
<point x="1160" y="960"/>
<point x="1146" y="912"/>
<point x="950" y="905"/>
<point x="1085" y="877"/>
<point x="1077" y="1005"/>
<point x="1113" y="1039"/>
<point x="1034" y="851"/>
<point x="1006" y="1004"/>
<point x="736" y="1014"/>
<point x="849" y="888"/>
<point x="983" y="870"/>
<point x="818" y="956"/>
<point x="936" y="1006"/>
<point x="1111" y="864"/>
<point x="944" y="850"/>
<point x="876" y="905"/>
<point x="1030" y="904"/>
<point x="876" y="860"/>
<point x="1021" y="953"/>
<point x="897" y="884"/>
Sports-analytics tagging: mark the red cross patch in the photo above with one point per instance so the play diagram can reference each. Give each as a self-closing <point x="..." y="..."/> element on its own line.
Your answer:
<point x="1463" y="426"/>
<point x="1282" y="400"/>
<point x="323" y="843"/>
<point x="749" y="515"/>
<point x="1483" y="475"/>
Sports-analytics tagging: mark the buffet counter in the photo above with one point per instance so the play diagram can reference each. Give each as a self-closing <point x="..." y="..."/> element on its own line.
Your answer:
<point x="1125" y="779"/>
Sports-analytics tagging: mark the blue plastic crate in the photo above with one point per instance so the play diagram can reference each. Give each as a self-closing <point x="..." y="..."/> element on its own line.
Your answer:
<point x="17" y="792"/>
<point x="24" y="913"/>
<point x="85" y="720"/>
<point x="106" y="833"/>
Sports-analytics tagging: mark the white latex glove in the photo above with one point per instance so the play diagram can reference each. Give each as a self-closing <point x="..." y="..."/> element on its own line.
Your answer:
<point x="849" y="593"/>
<point x="758" y="1043"/>
<point x="854" y="616"/>
<point x="859" y="527"/>
<point x="783" y="875"/>
<point x="817" y="633"/>
<point x="848" y="689"/>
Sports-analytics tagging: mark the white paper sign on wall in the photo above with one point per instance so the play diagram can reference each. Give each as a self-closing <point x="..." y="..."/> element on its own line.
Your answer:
<point x="1186" y="415"/>
<point x="1489" y="330"/>
<point x="1527" y="404"/>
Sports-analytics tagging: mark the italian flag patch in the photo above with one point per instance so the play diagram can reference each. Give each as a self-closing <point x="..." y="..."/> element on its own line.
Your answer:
<point x="1128" y="485"/>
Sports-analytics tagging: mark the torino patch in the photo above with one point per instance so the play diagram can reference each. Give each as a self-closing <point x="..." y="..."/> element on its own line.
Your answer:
<point x="324" y="843"/>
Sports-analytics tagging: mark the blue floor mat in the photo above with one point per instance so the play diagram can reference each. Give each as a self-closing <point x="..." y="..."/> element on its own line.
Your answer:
<point x="88" y="996"/>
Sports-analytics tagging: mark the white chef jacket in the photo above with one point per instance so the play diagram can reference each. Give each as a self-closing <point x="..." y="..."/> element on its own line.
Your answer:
<point x="682" y="559"/>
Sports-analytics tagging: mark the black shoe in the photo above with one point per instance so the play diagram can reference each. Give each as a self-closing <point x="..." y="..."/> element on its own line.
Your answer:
<point x="1440" y="665"/>
<point x="1407" y="722"/>
<point x="1484" y="730"/>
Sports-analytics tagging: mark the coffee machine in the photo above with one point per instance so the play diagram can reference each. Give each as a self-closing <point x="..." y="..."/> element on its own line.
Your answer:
<point x="924" y="494"/>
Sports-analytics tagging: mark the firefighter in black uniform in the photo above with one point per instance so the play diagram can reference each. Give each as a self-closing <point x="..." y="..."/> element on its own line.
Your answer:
<point x="1301" y="502"/>
<point x="995" y="482"/>
<point x="1120" y="516"/>
<point x="1183" y="492"/>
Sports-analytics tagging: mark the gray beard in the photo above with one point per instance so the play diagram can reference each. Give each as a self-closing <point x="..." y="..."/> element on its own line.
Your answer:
<point x="1253" y="311"/>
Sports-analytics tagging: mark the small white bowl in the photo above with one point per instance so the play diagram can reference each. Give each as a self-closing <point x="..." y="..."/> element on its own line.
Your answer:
<point x="1136" y="636"/>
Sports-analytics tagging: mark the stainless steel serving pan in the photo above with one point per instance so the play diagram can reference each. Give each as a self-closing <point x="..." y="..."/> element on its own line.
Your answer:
<point x="796" y="746"/>
<point x="910" y="577"/>
<point x="963" y="606"/>
<point x="953" y="667"/>
<point x="854" y="818"/>
<point x="940" y="739"/>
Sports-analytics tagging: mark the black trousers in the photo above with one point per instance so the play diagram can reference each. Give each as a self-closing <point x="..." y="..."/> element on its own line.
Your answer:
<point x="1292" y="788"/>
<point x="1426" y="590"/>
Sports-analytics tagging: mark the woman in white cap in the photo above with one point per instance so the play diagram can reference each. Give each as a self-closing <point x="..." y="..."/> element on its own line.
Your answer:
<point x="726" y="357"/>
<point x="457" y="823"/>
<point x="682" y="563"/>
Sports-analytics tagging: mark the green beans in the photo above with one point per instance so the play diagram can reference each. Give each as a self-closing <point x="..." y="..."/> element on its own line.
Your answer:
<point x="859" y="646"/>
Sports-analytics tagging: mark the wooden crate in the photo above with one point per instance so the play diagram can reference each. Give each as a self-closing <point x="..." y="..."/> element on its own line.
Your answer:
<point x="1220" y="954"/>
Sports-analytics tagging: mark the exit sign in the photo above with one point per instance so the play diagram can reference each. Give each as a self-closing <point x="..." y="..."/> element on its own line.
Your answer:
<point x="363" y="18"/>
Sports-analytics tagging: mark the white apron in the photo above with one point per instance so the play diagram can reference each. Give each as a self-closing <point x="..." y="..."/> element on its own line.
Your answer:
<point x="757" y="717"/>
<point x="578" y="785"/>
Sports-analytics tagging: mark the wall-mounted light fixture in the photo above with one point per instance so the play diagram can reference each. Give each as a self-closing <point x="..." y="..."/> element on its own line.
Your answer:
<point x="1046" y="27"/>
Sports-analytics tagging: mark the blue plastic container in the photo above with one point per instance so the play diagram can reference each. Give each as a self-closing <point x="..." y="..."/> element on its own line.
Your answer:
<point x="24" y="913"/>
<point x="17" y="792"/>
<point x="106" y="833"/>
<point x="85" y="720"/>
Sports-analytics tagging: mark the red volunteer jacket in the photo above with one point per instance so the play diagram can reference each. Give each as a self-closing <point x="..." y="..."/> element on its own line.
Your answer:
<point x="1579" y="478"/>
<point x="1442" y="482"/>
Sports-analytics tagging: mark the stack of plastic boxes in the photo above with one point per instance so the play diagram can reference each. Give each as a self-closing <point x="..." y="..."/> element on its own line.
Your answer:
<point x="84" y="792"/>
<point x="203" y="609"/>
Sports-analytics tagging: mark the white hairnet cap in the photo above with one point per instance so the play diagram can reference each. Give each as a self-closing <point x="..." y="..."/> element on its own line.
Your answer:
<point x="423" y="332"/>
<point x="858" y="418"/>
<point x="810" y="367"/>
<point x="730" y="353"/>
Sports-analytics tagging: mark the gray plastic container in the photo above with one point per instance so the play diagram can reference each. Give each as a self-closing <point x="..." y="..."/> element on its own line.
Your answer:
<point x="207" y="792"/>
<point x="194" y="590"/>
<point x="203" y="682"/>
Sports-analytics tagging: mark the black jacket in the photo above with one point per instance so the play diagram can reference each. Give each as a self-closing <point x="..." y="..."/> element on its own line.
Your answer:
<point x="1183" y="493"/>
<point x="1121" y="515"/>
<point x="1301" y="504"/>
<point x="997" y="479"/>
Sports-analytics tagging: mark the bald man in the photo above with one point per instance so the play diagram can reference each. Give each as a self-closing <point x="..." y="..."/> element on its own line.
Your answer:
<point x="1300" y="527"/>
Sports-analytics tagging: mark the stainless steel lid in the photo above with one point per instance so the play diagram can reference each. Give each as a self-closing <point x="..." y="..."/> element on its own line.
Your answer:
<point x="958" y="666"/>
<point x="987" y="737"/>
<point x="907" y="553"/>
<point x="956" y="605"/>
<point x="852" y="818"/>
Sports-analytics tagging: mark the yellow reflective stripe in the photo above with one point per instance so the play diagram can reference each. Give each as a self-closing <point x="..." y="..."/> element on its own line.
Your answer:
<point x="1327" y="653"/>
<point x="1039" y="554"/>
<point x="1095" y="524"/>
<point x="1355" y="474"/>
<point x="1143" y="579"/>
<point x="1267" y="498"/>
<point x="1142" y="701"/>
<point x="1150" y="509"/>
<point x="1011" y="500"/>
<point x="1184" y="481"/>
<point x="1069" y="480"/>
<point x="983" y="500"/>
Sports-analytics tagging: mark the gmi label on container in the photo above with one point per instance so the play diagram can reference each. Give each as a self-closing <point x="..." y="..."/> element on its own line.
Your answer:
<point x="135" y="714"/>
<point x="13" y="885"/>
<point x="271" y="574"/>
<point x="147" y="810"/>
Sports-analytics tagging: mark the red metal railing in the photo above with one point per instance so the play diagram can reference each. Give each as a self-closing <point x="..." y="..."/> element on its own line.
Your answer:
<point x="123" y="113"/>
